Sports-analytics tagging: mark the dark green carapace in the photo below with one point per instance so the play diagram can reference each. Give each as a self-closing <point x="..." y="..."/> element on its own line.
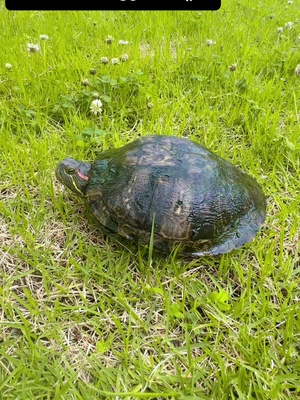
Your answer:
<point x="197" y="199"/>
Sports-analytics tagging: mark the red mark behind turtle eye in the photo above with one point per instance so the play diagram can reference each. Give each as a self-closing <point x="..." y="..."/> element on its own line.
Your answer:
<point x="86" y="178"/>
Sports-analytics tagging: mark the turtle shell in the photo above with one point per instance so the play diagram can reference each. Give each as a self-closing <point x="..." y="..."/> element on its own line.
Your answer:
<point x="184" y="192"/>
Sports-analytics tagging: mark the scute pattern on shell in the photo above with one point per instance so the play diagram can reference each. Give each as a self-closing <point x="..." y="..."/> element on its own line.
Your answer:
<point x="196" y="198"/>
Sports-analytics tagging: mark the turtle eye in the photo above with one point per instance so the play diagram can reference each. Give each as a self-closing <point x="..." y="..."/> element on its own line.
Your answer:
<point x="70" y="171"/>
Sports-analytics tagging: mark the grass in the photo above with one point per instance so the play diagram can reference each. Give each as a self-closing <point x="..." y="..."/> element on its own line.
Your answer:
<point x="83" y="317"/>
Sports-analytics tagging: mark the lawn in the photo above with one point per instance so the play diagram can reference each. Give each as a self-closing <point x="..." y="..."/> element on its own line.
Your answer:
<point x="86" y="317"/>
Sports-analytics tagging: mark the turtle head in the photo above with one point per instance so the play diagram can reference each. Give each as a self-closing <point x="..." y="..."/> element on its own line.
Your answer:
<point x="74" y="174"/>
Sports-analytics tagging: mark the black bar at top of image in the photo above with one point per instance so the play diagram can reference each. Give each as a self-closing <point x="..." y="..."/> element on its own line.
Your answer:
<point x="96" y="5"/>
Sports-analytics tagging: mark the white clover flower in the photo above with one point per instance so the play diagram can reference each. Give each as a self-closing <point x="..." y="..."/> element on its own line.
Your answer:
<point x="44" y="37"/>
<point x="124" y="57"/>
<point x="289" y="25"/>
<point x="290" y="2"/>
<point x="297" y="70"/>
<point x="150" y="105"/>
<point x="109" y="39"/>
<point x="104" y="60"/>
<point x="280" y="29"/>
<point x="85" y="82"/>
<point x="8" y="66"/>
<point x="123" y="42"/>
<point x="210" y="42"/>
<point x="96" y="107"/>
<point x="33" y="48"/>
<point x="114" y="61"/>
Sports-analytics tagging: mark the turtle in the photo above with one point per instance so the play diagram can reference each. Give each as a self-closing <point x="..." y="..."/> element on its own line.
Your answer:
<point x="170" y="189"/>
